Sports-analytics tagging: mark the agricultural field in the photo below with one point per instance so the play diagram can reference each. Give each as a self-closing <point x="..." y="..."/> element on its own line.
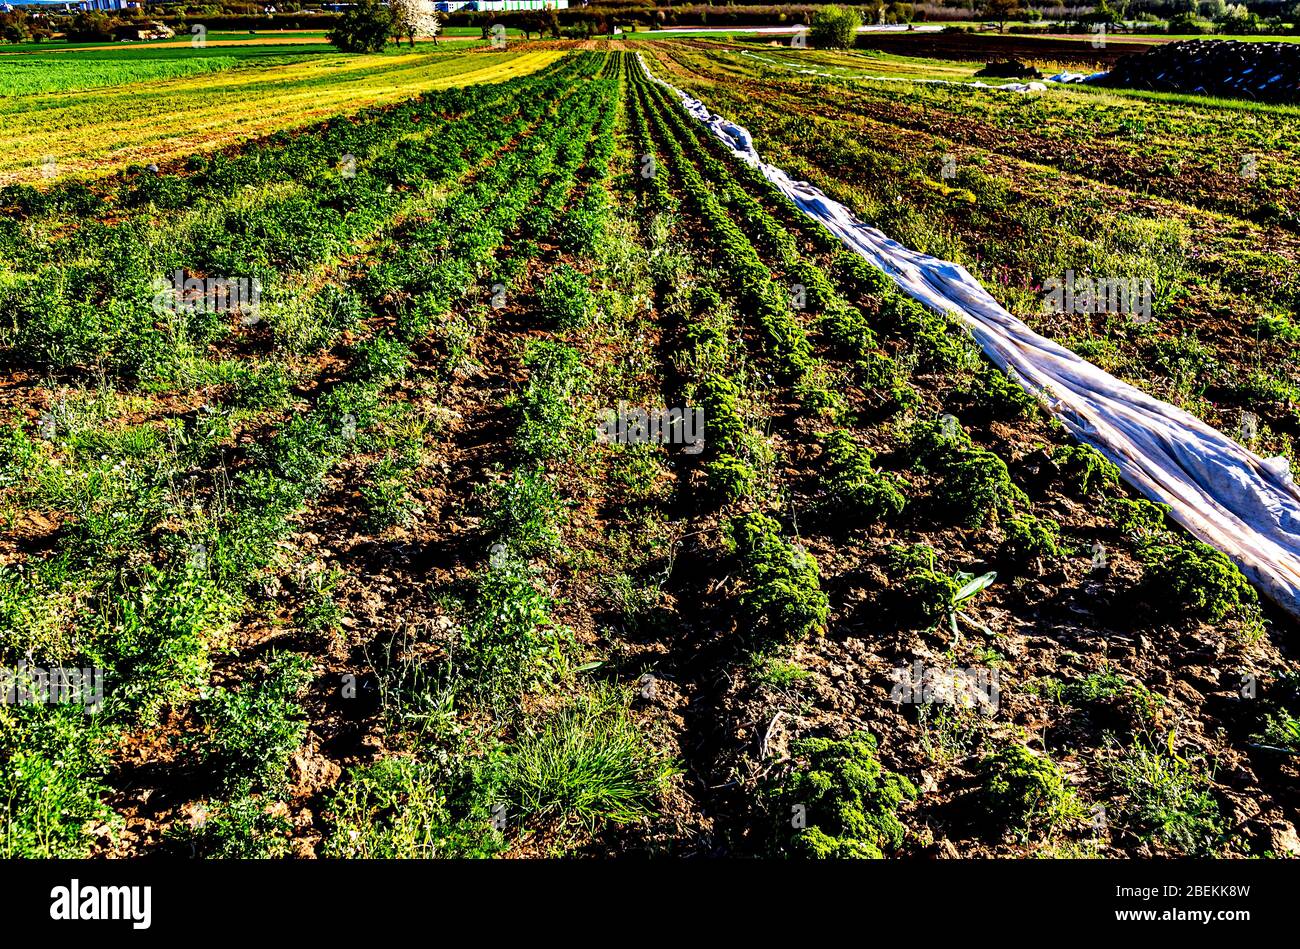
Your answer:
<point x="1201" y="198"/>
<point x="459" y="452"/>
<point x="210" y="102"/>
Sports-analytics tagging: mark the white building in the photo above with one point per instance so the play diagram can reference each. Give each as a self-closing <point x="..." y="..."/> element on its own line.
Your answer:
<point x="451" y="6"/>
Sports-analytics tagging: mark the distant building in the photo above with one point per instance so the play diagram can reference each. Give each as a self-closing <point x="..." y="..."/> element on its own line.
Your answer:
<point x="451" y="6"/>
<point x="107" y="4"/>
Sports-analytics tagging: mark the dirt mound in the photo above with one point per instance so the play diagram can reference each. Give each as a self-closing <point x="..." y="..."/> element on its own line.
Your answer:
<point x="1267" y="72"/>
<point x="1010" y="69"/>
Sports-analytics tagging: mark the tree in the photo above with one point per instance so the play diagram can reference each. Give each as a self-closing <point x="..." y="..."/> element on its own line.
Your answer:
<point x="90" y="26"/>
<point x="14" y="27"/>
<point x="412" y="18"/>
<point x="550" y="22"/>
<point x="363" y="28"/>
<point x="835" y="27"/>
<point x="1187" y="23"/>
<point x="1103" y="14"/>
<point x="1000" y="12"/>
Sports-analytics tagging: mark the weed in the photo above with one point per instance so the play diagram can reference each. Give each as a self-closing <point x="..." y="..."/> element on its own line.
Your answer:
<point x="1166" y="798"/>
<point x="949" y="732"/>
<point x="1281" y="727"/>
<point x="524" y="512"/>
<point x="386" y="493"/>
<point x="1281" y="730"/>
<point x="250" y="732"/>
<point x="241" y="827"/>
<point x="778" y="673"/>
<point x="52" y="759"/>
<point x="638" y="473"/>
<point x="401" y="808"/>
<point x="320" y="614"/>
<point x="1104" y="691"/>
<point x="565" y="298"/>
<point x="416" y="696"/>
<point x="638" y="604"/>
<point x="588" y="763"/>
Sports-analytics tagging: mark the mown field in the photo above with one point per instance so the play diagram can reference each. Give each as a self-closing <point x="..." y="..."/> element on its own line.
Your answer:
<point x="73" y="69"/>
<point x="365" y="582"/>
<point x="214" y="102"/>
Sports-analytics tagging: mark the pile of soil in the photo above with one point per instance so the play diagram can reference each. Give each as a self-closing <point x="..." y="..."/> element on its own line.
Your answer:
<point x="1267" y="72"/>
<point x="1009" y="69"/>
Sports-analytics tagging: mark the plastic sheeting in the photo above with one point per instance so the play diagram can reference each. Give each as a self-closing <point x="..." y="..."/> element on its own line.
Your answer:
<point x="1063" y="78"/>
<point x="1225" y="495"/>
<point x="1071" y="78"/>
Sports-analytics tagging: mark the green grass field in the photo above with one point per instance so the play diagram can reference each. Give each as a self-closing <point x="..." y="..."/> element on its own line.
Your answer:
<point x="111" y="109"/>
<point x="42" y="70"/>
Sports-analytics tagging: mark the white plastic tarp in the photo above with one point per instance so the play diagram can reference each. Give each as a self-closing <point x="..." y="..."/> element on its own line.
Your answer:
<point x="1227" y="496"/>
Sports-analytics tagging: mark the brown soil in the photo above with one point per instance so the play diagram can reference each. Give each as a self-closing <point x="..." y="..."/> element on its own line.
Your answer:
<point x="984" y="46"/>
